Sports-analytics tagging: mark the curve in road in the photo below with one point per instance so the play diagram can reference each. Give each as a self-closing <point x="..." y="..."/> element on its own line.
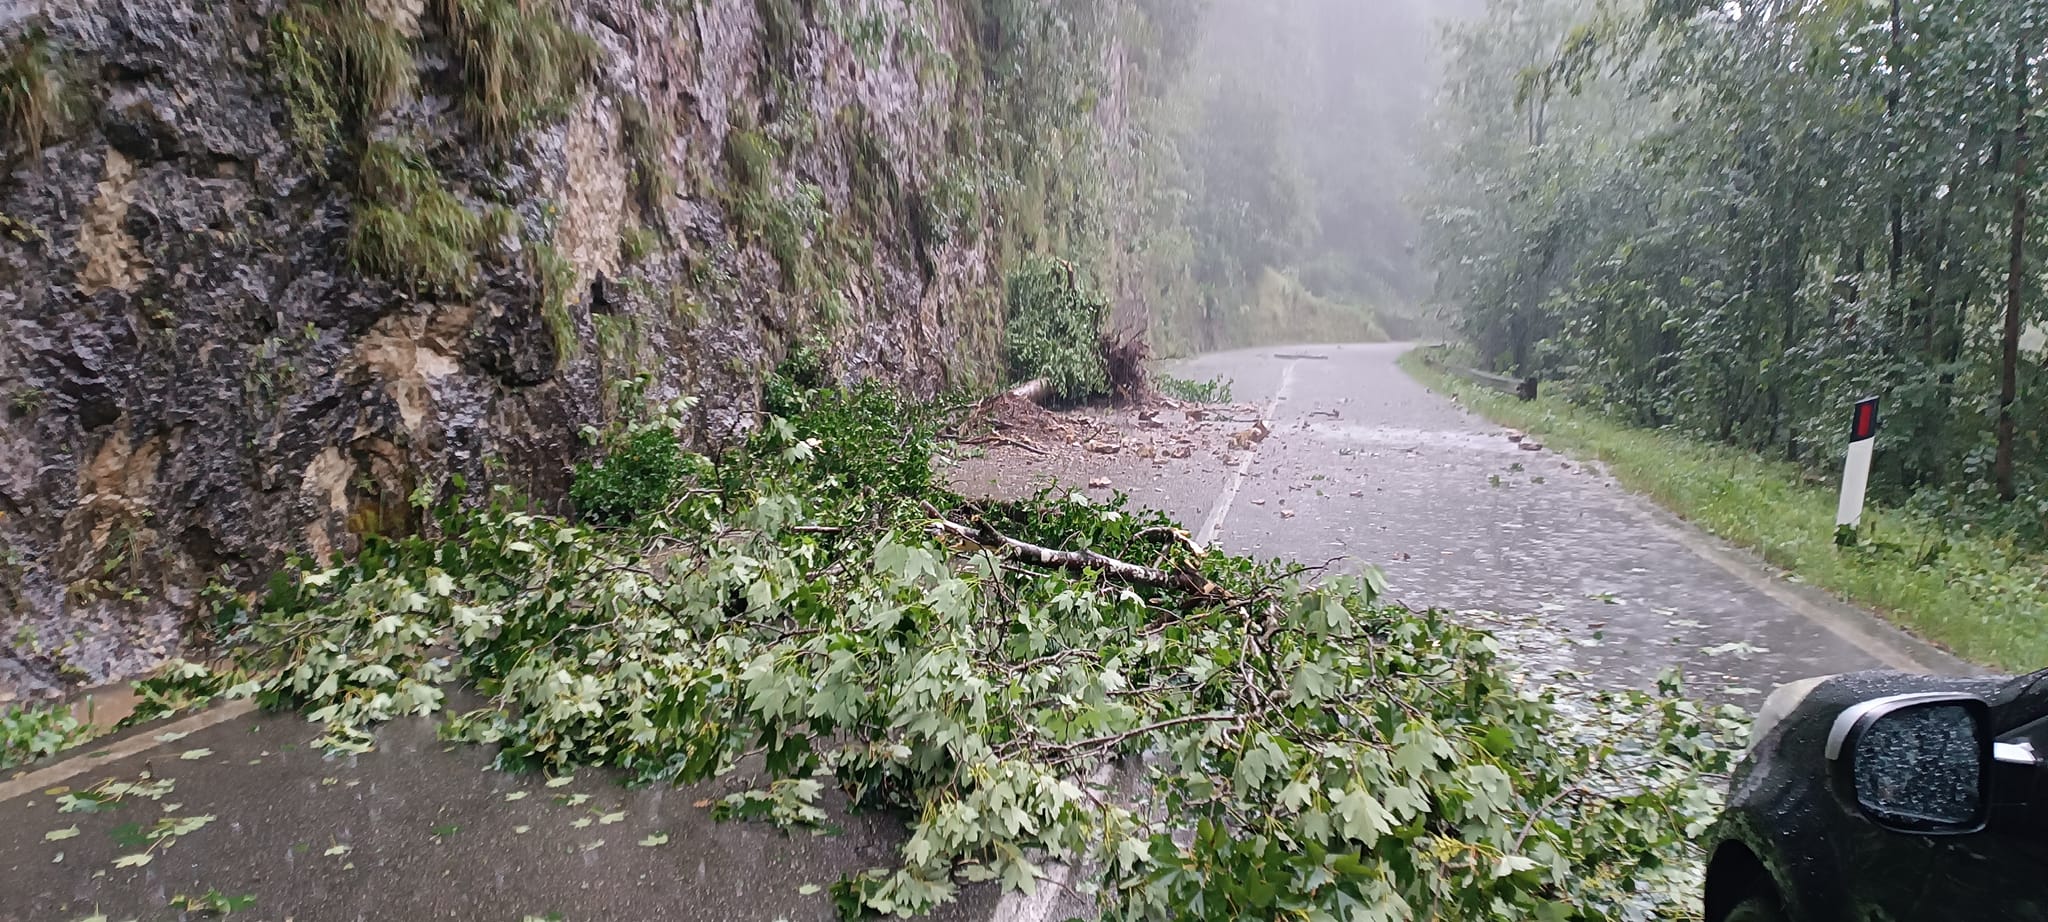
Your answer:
<point x="1367" y="464"/>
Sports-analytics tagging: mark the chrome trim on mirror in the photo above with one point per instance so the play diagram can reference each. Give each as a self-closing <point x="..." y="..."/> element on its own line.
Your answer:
<point x="1839" y="733"/>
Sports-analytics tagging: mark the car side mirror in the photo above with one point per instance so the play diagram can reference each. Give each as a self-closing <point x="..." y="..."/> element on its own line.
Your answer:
<point x="1916" y="763"/>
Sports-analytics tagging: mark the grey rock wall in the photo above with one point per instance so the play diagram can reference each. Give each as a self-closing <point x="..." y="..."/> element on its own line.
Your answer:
<point x="195" y="381"/>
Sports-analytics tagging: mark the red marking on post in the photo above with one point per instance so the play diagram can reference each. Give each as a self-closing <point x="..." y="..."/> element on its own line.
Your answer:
<point x="1866" y="421"/>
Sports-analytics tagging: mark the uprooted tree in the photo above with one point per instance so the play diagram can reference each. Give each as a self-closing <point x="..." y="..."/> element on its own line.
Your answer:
<point x="1205" y="736"/>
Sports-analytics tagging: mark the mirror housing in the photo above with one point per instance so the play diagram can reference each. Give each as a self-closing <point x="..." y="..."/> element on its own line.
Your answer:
<point x="1916" y="763"/>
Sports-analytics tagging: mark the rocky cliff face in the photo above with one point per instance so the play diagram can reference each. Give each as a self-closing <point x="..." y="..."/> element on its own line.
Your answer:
<point x="269" y="268"/>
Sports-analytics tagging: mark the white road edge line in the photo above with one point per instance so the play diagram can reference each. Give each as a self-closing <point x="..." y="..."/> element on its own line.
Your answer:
<point x="1039" y="905"/>
<point x="1864" y="636"/>
<point x="138" y="744"/>
<point x="1214" y="523"/>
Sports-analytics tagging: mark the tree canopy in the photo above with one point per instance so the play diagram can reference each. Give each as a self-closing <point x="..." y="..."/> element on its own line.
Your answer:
<point x="1738" y="218"/>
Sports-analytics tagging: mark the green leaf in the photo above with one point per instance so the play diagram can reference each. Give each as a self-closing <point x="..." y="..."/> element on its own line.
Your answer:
<point x="1020" y="875"/>
<point x="1360" y="817"/>
<point x="1512" y="864"/>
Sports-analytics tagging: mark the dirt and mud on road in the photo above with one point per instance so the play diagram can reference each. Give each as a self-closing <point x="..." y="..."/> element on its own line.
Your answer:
<point x="1166" y="454"/>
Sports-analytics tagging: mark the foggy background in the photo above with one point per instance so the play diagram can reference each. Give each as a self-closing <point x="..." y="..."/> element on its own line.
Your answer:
<point x="1303" y="125"/>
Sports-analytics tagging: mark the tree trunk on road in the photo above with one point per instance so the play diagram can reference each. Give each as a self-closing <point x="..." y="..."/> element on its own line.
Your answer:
<point x="2015" y="288"/>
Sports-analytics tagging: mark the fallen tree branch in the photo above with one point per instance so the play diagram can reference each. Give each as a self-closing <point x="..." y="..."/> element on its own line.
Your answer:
<point x="1174" y="536"/>
<point x="1006" y="440"/>
<point x="1113" y="739"/>
<point x="986" y="535"/>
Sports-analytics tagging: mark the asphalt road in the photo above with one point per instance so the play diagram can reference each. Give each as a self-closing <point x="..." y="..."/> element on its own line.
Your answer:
<point x="1588" y="584"/>
<point x="1368" y="465"/>
<point x="1363" y="465"/>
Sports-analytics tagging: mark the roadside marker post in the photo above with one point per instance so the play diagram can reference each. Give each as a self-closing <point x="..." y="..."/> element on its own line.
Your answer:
<point x="1856" y="473"/>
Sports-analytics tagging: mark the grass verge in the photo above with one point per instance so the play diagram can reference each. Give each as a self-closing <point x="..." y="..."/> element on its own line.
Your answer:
<point x="1979" y="596"/>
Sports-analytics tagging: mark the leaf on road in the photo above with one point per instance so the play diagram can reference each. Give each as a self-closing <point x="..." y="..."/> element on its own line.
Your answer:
<point x="654" y="839"/>
<point x="194" y="755"/>
<point x="59" y="835"/>
<point x="338" y="850"/>
<point x="516" y="795"/>
<point x="809" y="889"/>
<point x="612" y="817"/>
<point x="1737" y="649"/>
<point x="132" y="861"/>
<point x="562" y="782"/>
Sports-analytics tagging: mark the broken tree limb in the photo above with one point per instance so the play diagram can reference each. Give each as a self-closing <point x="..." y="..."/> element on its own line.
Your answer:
<point x="1006" y="440"/>
<point x="985" y="535"/>
<point x="1174" y="536"/>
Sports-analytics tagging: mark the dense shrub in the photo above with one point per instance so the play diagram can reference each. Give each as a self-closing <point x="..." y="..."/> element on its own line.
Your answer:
<point x="1055" y="330"/>
<point x="639" y="476"/>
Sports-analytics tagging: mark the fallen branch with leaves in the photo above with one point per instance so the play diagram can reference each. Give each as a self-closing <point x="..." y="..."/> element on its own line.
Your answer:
<point x="982" y="534"/>
<point x="812" y="610"/>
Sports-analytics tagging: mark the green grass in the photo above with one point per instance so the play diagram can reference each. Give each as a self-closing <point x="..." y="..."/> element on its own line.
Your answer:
<point x="636" y="243"/>
<point x="409" y="227"/>
<point x="521" y="61"/>
<point x="34" y="100"/>
<point x="1983" y="597"/>
<point x="1214" y="390"/>
<point x="336" y="64"/>
<point x="646" y="134"/>
<point x="557" y="275"/>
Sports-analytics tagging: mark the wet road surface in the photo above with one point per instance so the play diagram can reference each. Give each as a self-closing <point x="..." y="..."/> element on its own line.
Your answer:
<point x="1366" y="464"/>
<point x="417" y="829"/>
<point x="1362" y="464"/>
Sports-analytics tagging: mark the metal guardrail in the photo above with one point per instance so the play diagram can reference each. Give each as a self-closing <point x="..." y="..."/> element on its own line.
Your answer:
<point x="1524" y="388"/>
